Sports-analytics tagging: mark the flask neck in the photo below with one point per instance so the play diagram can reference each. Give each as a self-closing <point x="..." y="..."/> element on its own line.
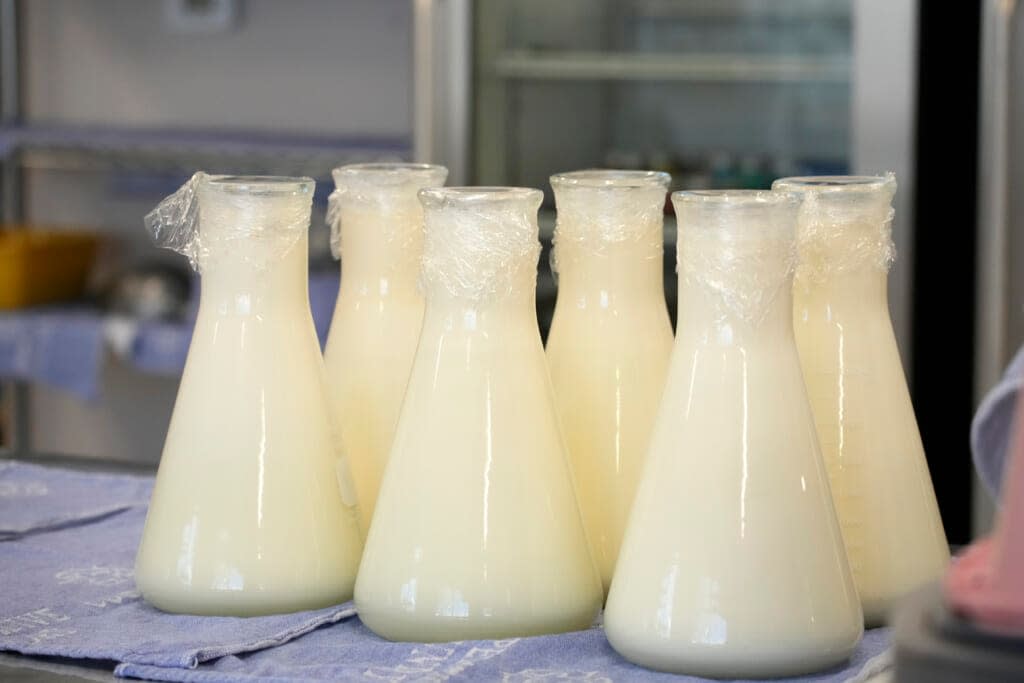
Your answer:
<point x="864" y="290"/>
<point x="725" y="318"/>
<point x="626" y="272"/>
<point x="513" y="312"/>
<point x="736" y="286"/>
<point x="238" y="286"/>
<point x="380" y="251"/>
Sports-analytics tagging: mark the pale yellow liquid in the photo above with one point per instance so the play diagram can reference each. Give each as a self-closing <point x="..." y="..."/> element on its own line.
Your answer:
<point x="477" y="533"/>
<point x="732" y="564"/>
<point x="253" y="510"/>
<point x="880" y="482"/>
<point x="371" y="344"/>
<point x="608" y="352"/>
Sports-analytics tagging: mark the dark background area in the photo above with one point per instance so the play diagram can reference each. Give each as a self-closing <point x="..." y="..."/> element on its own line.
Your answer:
<point x="942" y="372"/>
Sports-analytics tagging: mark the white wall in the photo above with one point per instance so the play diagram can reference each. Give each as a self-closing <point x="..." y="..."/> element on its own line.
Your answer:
<point x="304" y="65"/>
<point x="307" y="66"/>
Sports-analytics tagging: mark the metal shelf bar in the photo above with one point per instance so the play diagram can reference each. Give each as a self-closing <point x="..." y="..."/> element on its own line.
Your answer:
<point x="746" y="68"/>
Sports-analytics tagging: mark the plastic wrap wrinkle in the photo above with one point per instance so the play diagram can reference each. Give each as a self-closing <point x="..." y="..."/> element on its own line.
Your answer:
<point x="206" y="223"/>
<point x="387" y="192"/>
<point x="592" y="220"/>
<point x="744" y="274"/>
<point x="738" y="247"/>
<point x="174" y="223"/>
<point x="478" y="249"/>
<point x="844" y="224"/>
<point x="832" y="242"/>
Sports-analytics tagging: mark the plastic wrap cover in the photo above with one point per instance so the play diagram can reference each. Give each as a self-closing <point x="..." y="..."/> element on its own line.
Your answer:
<point x="739" y="247"/>
<point x="254" y="218"/>
<point x="600" y="210"/>
<point x="844" y="225"/>
<point x="479" y="241"/>
<point x="387" y="193"/>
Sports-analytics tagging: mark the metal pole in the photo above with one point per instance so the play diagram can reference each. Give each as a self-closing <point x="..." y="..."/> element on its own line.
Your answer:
<point x="19" y="440"/>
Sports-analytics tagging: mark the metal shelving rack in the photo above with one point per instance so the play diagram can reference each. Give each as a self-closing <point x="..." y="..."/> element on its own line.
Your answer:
<point x="166" y="153"/>
<point x="711" y="68"/>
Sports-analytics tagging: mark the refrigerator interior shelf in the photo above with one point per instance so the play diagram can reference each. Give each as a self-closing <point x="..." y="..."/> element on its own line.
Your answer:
<point x="183" y="151"/>
<point x="738" y="68"/>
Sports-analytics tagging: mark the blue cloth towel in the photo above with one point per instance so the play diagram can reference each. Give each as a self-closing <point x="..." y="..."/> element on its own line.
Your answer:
<point x="69" y="592"/>
<point x="62" y="348"/>
<point x="349" y="651"/>
<point x="35" y="498"/>
<point x="990" y="430"/>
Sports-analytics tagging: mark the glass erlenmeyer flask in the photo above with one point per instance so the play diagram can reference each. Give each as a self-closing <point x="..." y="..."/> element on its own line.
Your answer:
<point x="610" y="339"/>
<point x="253" y="510"/>
<point x="377" y="229"/>
<point x="880" y="482"/>
<point x="477" y="533"/>
<point x="733" y="563"/>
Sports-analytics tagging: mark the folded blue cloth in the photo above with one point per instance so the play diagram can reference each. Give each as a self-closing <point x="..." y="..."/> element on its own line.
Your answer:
<point x="348" y="650"/>
<point x="71" y="593"/>
<point x="35" y="498"/>
<point x="992" y="425"/>
<point x="61" y="348"/>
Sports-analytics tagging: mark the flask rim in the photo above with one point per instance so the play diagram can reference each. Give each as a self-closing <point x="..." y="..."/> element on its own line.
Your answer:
<point x="262" y="185"/>
<point x="835" y="184"/>
<point x="387" y="172"/>
<point x="735" y="198"/>
<point x="473" y="196"/>
<point x="612" y="178"/>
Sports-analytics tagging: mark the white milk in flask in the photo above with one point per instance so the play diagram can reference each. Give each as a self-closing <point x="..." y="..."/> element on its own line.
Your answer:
<point x="880" y="481"/>
<point x="377" y="230"/>
<point x="477" y="533"/>
<point x="610" y="338"/>
<point x="253" y="511"/>
<point x="732" y="564"/>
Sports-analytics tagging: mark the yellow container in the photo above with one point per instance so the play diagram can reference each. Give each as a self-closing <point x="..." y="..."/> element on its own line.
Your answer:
<point x="43" y="266"/>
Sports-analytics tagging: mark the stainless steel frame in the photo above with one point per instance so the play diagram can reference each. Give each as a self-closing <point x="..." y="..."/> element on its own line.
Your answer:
<point x="442" y="72"/>
<point x="993" y="292"/>
<point x="884" y="113"/>
<point x="10" y="202"/>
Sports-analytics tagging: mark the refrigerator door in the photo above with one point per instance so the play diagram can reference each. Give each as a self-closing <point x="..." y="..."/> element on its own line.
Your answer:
<point x="718" y="92"/>
<point x="999" y="307"/>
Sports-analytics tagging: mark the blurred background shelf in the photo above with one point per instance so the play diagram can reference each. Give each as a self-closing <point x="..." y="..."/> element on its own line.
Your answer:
<point x="708" y="68"/>
<point x="182" y="151"/>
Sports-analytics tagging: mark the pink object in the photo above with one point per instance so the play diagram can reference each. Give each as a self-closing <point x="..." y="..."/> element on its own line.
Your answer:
<point x="986" y="583"/>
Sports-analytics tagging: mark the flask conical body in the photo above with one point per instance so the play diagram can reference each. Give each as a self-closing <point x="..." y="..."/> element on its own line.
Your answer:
<point x="377" y="229"/>
<point x="253" y="511"/>
<point x="866" y="425"/>
<point x="477" y="533"/>
<point x="732" y="564"/>
<point x="610" y="339"/>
